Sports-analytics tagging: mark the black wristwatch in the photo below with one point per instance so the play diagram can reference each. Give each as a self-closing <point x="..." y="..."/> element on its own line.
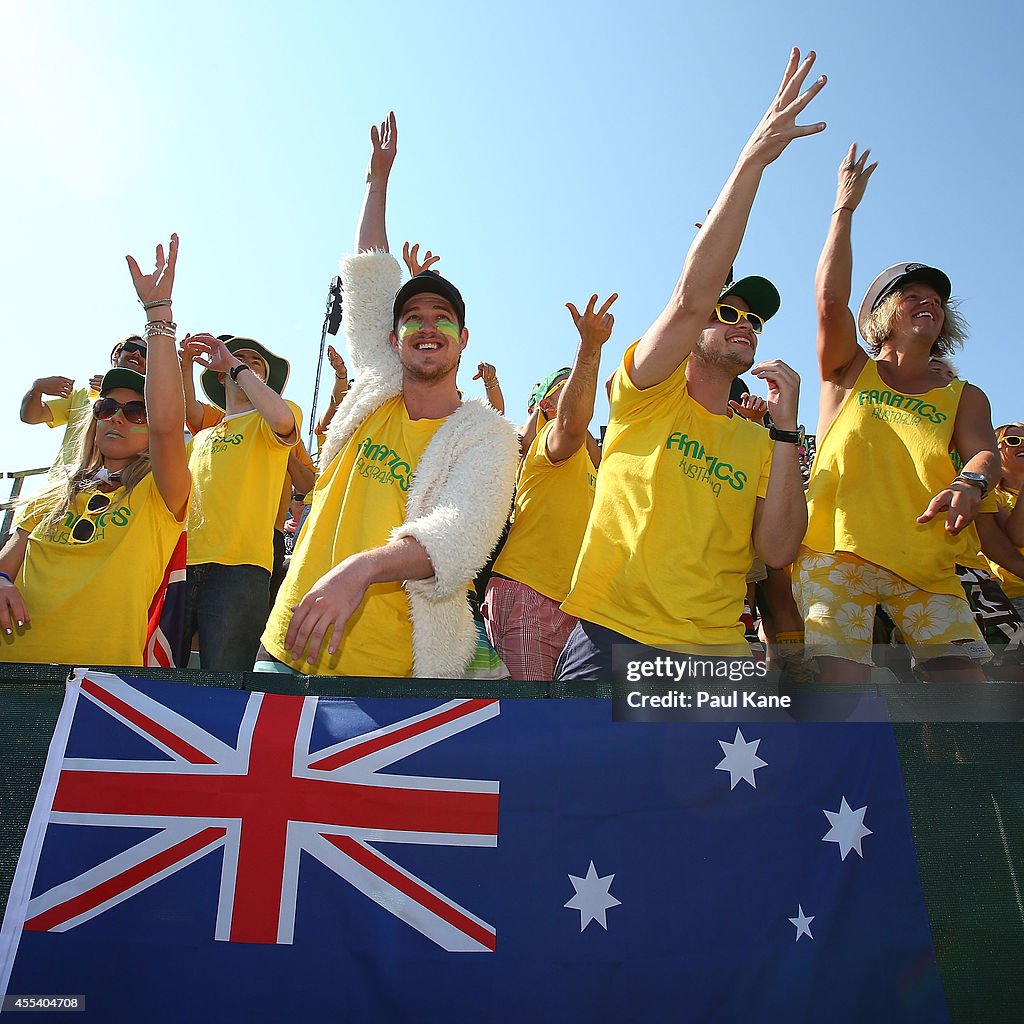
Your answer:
<point x="236" y="370"/>
<point x="787" y="436"/>
<point x="976" y="479"/>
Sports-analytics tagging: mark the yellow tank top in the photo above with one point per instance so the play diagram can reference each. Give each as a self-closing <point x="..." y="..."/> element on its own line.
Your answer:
<point x="879" y="464"/>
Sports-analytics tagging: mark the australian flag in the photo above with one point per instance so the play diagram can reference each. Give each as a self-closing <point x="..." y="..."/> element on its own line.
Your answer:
<point x="165" y="622"/>
<point x="198" y="854"/>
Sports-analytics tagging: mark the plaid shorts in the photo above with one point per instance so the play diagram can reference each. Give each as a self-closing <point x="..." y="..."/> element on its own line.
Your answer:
<point x="838" y="592"/>
<point x="526" y="628"/>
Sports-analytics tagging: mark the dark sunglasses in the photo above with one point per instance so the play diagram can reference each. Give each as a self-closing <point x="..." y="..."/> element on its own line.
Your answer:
<point x="731" y="315"/>
<point x="83" y="530"/>
<point x="1012" y="440"/>
<point x="133" y="412"/>
<point x="134" y="346"/>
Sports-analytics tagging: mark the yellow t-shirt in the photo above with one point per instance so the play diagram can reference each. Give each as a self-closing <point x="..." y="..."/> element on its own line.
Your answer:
<point x="553" y="503"/>
<point x="1013" y="585"/>
<point x="357" y="501"/>
<point x="89" y="601"/>
<point x="237" y="468"/>
<point x="879" y="464"/>
<point x="669" y="542"/>
<point x="286" y="491"/>
<point x="73" y="413"/>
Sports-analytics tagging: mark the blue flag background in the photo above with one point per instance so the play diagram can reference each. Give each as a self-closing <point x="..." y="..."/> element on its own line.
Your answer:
<point x="709" y="872"/>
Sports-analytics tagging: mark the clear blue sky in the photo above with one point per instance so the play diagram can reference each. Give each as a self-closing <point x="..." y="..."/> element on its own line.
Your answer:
<point x="547" y="151"/>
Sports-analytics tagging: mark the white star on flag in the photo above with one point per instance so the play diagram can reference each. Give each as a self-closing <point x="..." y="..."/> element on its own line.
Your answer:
<point x="848" y="828"/>
<point x="802" y="924"/>
<point x="592" y="897"/>
<point x="740" y="761"/>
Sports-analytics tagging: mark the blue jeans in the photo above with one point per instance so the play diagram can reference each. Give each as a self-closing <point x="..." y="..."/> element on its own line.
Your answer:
<point x="228" y="605"/>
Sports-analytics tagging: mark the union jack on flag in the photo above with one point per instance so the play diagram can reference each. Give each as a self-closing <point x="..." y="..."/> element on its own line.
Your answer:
<point x="264" y="800"/>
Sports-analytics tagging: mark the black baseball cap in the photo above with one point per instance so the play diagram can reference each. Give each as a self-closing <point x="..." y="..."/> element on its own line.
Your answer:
<point x="432" y="283"/>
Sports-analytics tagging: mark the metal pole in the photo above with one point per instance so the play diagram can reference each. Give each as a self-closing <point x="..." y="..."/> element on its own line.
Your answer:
<point x="332" y="321"/>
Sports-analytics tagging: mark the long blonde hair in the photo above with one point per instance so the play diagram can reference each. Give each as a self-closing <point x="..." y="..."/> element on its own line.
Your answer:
<point x="880" y="323"/>
<point x="60" y="495"/>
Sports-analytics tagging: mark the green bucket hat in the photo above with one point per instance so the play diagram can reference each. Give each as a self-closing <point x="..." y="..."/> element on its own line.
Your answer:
<point x="278" y="369"/>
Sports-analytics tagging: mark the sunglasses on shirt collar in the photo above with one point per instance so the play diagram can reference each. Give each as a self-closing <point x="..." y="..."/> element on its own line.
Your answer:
<point x="82" y="532"/>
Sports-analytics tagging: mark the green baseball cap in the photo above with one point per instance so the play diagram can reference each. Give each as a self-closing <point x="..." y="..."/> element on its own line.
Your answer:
<point x="758" y="293"/>
<point x="122" y="377"/>
<point x="546" y="386"/>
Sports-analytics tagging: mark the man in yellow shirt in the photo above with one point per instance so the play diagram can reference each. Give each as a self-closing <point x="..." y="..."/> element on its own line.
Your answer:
<point x="237" y="467"/>
<point x="414" y="485"/>
<point x="688" y="493"/>
<point x="886" y="506"/>
<point x="56" y="401"/>
<point x="554" y="495"/>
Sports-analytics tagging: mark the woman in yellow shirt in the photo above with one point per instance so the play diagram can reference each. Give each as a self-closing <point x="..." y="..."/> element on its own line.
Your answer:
<point x="1009" y="518"/>
<point x="88" y="554"/>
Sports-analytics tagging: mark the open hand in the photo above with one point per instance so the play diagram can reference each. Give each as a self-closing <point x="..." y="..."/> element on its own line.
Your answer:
<point x="57" y="387"/>
<point x="209" y="352"/>
<point x="853" y="178"/>
<point x="960" y="501"/>
<point x="328" y="606"/>
<point x="384" y="149"/>
<point x="778" y="127"/>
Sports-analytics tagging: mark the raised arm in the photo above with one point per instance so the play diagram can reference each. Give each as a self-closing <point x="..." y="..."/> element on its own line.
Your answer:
<point x="165" y="401"/>
<point x="576" y="401"/>
<point x="33" y="408"/>
<point x="265" y="400"/>
<point x="372" y="230"/>
<point x="671" y="337"/>
<point x="338" y="390"/>
<point x="492" y="389"/>
<point x="187" y="355"/>
<point x="839" y="355"/>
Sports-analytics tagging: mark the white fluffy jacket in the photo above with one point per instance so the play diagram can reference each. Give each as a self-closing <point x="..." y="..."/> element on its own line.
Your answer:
<point x="462" y="488"/>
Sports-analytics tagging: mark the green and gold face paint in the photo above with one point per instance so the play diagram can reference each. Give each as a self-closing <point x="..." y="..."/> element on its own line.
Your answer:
<point x="444" y="326"/>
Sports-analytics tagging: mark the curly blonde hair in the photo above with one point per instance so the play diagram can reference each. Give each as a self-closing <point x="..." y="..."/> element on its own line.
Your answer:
<point x="880" y="323"/>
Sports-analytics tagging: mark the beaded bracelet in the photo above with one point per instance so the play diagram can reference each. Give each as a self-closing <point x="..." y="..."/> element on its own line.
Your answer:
<point x="154" y="303"/>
